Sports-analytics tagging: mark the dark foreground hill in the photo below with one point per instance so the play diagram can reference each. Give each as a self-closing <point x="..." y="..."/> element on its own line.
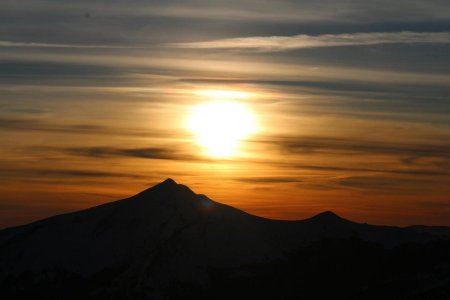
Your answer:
<point x="170" y="243"/>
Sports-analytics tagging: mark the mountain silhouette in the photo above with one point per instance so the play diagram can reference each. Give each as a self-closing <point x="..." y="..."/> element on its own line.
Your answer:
<point x="168" y="241"/>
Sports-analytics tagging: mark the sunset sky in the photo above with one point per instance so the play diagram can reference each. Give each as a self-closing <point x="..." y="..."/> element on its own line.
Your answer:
<point x="349" y="104"/>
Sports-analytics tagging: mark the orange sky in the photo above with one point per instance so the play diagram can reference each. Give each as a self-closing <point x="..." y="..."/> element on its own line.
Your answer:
<point x="302" y="160"/>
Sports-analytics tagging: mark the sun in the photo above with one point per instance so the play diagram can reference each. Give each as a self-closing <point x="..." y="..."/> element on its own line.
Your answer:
<point x="220" y="125"/>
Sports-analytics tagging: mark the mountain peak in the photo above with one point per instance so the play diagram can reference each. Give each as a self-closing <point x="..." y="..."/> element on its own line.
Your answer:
<point x="177" y="197"/>
<point x="168" y="187"/>
<point x="169" y="182"/>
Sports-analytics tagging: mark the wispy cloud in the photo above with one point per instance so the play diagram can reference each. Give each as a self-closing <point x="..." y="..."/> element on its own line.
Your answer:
<point x="279" y="179"/>
<point x="61" y="173"/>
<point x="284" y="43"/>
<point x="384" y="182"/>
<point x="42" y="125"/>
<point x="148" y="153"/>
<point x="54" y="45"/>
<point x="415" y="159"/>
<point x="321" y="145"/>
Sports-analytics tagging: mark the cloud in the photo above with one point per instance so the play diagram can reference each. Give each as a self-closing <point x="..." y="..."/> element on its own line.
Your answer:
<point x="65" y="24"/>
<point x="54" y="74"/>
<point x="434" y="204"/>
<point x="328" y="168"/>
<point x="281" y="179"/>
<point x="385" y="183"/>
<point x="82" y="173"/>
<point x="148" y="153"/>
<point x="406" y="158"/>
<point x="310" y="144"/>
<point x="351" y="91"/>
<point x="58" y="173"/>
<point x="40" y="125"/>
<point x="284" y="43"/>
<point x="55" y="45"/>
<point x="29" y="110"/>
<point x="122" y="68"/>
<point x="35" y="124"/>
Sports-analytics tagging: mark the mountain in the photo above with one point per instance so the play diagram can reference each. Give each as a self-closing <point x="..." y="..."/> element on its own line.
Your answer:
<point x="168" y="242"/>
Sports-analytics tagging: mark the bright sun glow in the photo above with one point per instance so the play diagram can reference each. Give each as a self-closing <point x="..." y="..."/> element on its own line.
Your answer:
<point x="220" y="125"/>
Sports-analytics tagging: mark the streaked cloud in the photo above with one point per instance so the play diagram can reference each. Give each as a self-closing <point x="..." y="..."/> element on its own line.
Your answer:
<point x="62" y="173"/>
<point x="248" y="10"/>
<point x="53" y="45"/>
<point x="343" y="170"/>
<point x="43" y="125"/>
<point x="321" y="145"/>
<point x="264" y="180"/>
<point x="361" y="156"/>
<point x="148" y="153"/>
<point x="284" y="43"/>
<point x="240" y="67"/>
<point x="386" y="183"/>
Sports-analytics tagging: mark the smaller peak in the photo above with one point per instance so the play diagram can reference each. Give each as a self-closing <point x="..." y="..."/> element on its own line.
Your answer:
<point x="327" y="216"/>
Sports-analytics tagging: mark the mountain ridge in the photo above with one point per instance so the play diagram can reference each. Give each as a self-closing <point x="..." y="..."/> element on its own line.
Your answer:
<point x="174" y="188"/>
<point x="168" y="233"/>
<point x="170" y="190"/>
